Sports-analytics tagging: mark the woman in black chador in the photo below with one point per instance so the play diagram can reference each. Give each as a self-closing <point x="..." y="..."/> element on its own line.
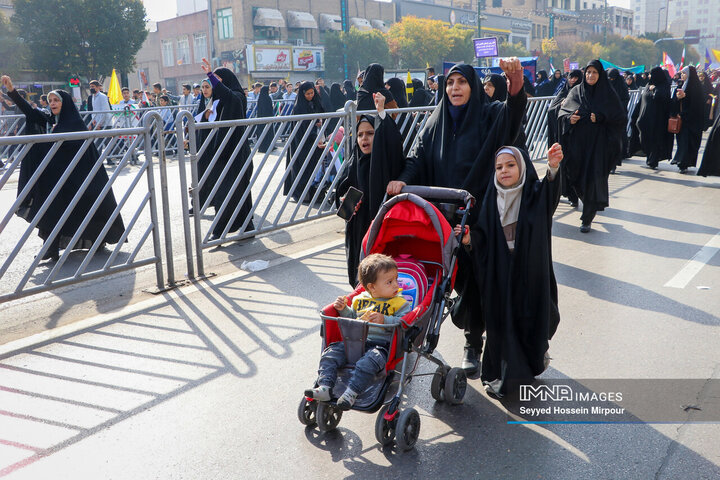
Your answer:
<point x="574" y="77"/>
<point x="377" y="158"/>
<point x="710" y="165"/>
<point x="621" y="88"/>
<point x="689" y="101"/>
<point x="306" y="103"/>
<point x="420" y="97"/>
<point x="67" y="119"/>
<point x="349" y="90"/>
<point x="265" y="109"/>
<point x="652" y="119"/>
<point x="591" y="123"/>
<point x="227" y="102"/>
<point x="456" y="149"/>
<point x="374" y="82"/>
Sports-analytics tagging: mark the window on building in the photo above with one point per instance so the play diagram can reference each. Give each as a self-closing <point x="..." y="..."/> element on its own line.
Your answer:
<point x="225" y="26"/>
<point x="167" y="53"/>
<point x="183" y="50"/>
<point x="302" y="34"/>
<point x="544" y="31"/>
<point x="584" y="5"/>
<point x="200" y="46"/>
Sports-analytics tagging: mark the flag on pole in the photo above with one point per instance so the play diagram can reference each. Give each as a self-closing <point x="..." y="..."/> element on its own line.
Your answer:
<point x="632" y="63"/>
<point x="552" y="70"/>
<point x="409" y="89"/>
<point x="708" y="61"/>
<point x="682" y="59"/>
<point x="114" y="92"/>
<point x="668" y="64"/>
<point x="716" y="54"/>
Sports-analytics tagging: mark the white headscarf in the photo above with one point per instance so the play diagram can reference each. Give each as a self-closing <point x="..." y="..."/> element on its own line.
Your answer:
<point x="509" y="198"/>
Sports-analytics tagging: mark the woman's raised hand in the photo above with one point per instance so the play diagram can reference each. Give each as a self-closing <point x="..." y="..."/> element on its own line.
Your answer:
<point x="379" y="99"/>
<point x="7" y="83"/>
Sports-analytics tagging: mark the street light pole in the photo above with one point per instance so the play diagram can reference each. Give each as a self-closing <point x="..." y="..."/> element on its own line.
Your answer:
<point x="480" y="5"/>
<point x="659" y="16"/>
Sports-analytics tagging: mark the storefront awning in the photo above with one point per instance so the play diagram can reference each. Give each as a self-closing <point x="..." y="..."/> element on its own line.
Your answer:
<point x="360" y="23"/>
<point x="330" y="22"/>
<point x="380" y="25"/>
<point x="268" y="17"/>
<point x="301" y="20"/>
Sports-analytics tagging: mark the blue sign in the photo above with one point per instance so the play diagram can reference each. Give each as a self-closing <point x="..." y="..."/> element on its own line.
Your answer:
<point x="529" y="67"/>
<point x="485" y="47"/>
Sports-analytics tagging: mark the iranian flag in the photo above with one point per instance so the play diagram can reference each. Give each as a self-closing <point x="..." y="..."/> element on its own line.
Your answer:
<point x="668" y="64"/>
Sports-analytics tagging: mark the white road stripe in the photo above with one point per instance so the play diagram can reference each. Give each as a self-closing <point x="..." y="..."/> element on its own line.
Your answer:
<point x="683" y="277"/>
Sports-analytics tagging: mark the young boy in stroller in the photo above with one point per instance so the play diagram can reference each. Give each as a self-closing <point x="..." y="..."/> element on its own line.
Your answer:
<point x="380" y="304"/>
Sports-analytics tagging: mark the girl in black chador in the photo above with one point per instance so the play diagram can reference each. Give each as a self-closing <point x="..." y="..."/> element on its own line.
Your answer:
<point x="591" y="123"/>
<point x="226" y="102"/>
<point x="652" y="119"/>
<point x="377" y="158"/>
<point x="456" y="149"/>
<point x="66" y="118"/>
<point x="265" y="109"/>
<point x="689" y="102"/>
<point x="511" y="248"/>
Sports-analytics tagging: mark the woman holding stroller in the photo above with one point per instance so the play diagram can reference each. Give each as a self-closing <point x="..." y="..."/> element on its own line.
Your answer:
<point x="466" y="121"/>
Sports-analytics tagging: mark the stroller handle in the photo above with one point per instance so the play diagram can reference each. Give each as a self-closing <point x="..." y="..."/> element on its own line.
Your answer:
<point x="382" y="325"/>
<point x="440" y="193"/>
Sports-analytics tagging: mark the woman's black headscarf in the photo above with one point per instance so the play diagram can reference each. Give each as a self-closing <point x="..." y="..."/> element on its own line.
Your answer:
<point x="633" y="84"/>
<point x="500" y="84"/>
<point x="349" y="88"/>
<point x="69" y="119"/>
<point x="373" y="82"/>
<point x="618" y="84"/>
<point x="337" y="97"/>
<point x="397" y="88"/>
<point x="264" y="103"/>
<point x="421" y="97"/>
<point x="543" y="87"/>
<point x="556" y="82"/>
<point x="302" y="106"/>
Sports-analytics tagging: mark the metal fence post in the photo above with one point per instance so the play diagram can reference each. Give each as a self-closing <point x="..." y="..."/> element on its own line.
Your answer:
<point x="148" y="124"/>
<point x="185" y="116"/>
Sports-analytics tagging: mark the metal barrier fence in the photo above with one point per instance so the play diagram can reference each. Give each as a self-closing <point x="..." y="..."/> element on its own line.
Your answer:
<point x="268" y="174"/>
<point x="64" y="167"/>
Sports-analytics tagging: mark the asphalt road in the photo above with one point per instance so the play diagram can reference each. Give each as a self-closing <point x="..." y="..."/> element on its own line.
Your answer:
<point x="204" y="382"/>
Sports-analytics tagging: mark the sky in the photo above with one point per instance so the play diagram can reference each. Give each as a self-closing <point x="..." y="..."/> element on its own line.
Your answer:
<point x="163" y="9"/>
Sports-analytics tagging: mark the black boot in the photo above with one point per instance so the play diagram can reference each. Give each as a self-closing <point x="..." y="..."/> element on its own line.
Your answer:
<point x="471" y="361"/>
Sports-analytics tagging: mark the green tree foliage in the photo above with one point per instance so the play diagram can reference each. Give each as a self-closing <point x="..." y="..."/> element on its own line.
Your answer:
<point x="10" y="48"/>
<point x="417" y="42"/>
<point x="87" y="37"/>
<point x="363" y="48"/>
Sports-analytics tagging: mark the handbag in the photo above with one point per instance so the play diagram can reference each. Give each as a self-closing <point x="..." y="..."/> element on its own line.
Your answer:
<point x="675" y="123"/>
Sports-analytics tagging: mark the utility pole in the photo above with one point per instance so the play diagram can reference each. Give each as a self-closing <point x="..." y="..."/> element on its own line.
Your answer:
<point x="346" y="29"/>
<point x="480" y="8"/>
<point x="605" y="22"/>
<point x="211" y="36"/>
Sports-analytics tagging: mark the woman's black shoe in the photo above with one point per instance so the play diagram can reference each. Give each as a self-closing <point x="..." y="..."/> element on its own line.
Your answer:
<point x="51" y="254"/>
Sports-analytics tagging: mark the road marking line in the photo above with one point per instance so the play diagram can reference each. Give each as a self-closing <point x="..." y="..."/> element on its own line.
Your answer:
<point x="692" y="267"/>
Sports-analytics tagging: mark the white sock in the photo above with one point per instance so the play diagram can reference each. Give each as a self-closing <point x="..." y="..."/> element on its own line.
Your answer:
<point x="348" y="398"/>
<point x="321" y="392"/>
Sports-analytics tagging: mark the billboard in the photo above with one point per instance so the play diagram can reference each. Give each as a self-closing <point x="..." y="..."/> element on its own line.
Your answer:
<point x="271" y="58"/>
<point x="308" y="59"/>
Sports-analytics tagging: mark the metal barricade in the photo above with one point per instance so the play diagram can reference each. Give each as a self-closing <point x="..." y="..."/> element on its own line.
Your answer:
<point x="22" y="270"/>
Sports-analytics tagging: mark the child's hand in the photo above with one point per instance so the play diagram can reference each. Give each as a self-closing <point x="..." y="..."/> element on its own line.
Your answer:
<point x="375" y="317"/>
<point x="340" y="303"/>
<point x="466" y="235"/>
<point x="555" y="155"/>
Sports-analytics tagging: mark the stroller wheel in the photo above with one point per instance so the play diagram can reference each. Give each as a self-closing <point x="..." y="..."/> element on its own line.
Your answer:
<point x="455" y="386"/>
<point x="438" y="383"/>
<point x="408" y="429"/>
<point x="307" y="412"/>
<point x="384" y="429"/>
<point x="327" y="416"/>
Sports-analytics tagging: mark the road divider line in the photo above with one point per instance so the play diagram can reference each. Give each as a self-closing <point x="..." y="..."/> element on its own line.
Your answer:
<point x="692" y="267"/>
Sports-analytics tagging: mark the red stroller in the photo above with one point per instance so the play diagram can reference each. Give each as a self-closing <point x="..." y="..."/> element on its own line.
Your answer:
<point x="413" y="231"/>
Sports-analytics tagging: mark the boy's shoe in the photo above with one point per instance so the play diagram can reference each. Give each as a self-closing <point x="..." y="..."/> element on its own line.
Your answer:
<point x="320" y="393"/>
<point x="347" y="400"/>
<point x="585" y="228"/>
